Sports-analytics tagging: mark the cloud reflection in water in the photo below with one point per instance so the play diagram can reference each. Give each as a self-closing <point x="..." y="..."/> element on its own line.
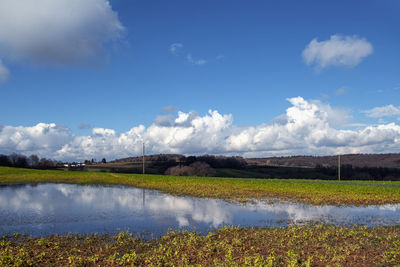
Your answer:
<point x="60" y="208"/>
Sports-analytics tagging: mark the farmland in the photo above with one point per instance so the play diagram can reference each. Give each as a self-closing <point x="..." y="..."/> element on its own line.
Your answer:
<point x="309" y="191"/>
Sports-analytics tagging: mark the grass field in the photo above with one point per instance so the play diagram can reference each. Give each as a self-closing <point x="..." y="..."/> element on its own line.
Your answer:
<point x="308" y="191"/>
<point x="317" y="245"/>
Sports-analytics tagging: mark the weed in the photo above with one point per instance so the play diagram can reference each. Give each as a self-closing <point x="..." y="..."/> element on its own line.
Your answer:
<point x="227" y="246"/>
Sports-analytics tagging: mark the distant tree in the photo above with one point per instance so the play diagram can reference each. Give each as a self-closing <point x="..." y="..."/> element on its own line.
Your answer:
<point x="46" y="163"/>
<point x="189" y="160"/>
<point x="13" y="158"/>
<point x="347" y="171"/>
<point x="202" y="169"/>
<point x="178" y="171"/>
<point x="4" y="161"/>
<point x="235" y="163"/>
<point x="22" y="162"/>
<point x="104" y="160"/>
<point x="33" y="160"/>
<point x="195" y="169"/>
<point x="19" y="161"/>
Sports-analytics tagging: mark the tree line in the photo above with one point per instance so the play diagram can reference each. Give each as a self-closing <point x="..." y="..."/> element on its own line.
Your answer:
<point x="349" y="172"/>
<point x="33" y="161"/>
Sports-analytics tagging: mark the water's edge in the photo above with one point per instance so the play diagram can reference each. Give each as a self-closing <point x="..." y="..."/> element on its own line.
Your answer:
<point x="56" y="208"/>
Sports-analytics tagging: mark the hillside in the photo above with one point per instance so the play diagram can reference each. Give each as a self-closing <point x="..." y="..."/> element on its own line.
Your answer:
<point x="150" y="158"/>
<point x="353" y="166"/>
<point x="356" y="160"/>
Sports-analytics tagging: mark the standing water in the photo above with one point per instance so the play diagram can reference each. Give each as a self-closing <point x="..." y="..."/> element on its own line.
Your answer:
<point x="44" y="209"/>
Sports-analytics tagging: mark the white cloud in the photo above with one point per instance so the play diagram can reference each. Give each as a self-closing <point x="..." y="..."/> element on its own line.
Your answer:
<point x="164" y="120"/>
<point x="103" y="132"/>
<point x="385" y="111"/>
<point x="4" y="72"/>
<point x="42" y="138"/>
<point x="61" y="32"/>
<point x="307" y="127"/>
<point x="175" y="47"/>
<point x="341" y="51"/>
<point x="198" y="62"/>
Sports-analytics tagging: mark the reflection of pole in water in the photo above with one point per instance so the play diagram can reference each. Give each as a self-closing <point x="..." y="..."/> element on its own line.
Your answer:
<point x="143" y="198"/>
<point x="143" y="168"/>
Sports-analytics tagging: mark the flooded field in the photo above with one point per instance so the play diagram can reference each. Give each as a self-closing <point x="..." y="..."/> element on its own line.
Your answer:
<point x="44" y="209"/>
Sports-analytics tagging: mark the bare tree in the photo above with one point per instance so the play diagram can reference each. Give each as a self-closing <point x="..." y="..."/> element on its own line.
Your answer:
<point x="195" y="169"/>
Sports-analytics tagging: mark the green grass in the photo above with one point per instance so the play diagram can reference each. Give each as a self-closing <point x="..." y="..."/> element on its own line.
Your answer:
<point x="308" y="191"/>
<point x="238" y="173"/>
<point x="119" y="168"/>
<point x="272" y="172"/>
<point x="318" y="245"/>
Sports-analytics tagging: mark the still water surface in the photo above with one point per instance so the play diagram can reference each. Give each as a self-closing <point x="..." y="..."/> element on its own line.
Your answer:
<point x="63" y="208"/>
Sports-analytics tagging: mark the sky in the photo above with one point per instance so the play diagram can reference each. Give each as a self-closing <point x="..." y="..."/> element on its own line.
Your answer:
<point x="82" y="79"/>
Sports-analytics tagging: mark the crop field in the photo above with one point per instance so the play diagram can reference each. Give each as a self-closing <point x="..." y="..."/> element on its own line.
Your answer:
<point x="317" y="245"/>
<point x="308" y="191"/>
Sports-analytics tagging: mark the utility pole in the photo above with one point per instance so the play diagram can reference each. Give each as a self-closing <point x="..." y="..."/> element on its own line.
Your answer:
<point x="143" y="160"/>
<point x="339" y="167"/>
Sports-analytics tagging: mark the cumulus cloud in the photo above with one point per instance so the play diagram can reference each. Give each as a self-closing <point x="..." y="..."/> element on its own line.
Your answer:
<point x="385" y="111"/>
<point x="103" y="132"/>
<point x="42" y="139"/>
<point x="175" y="47"/>
<point x="61" y="32"/>
<point x="307" y="127"/>
<point x="4" y="72"/>
<point x="164" y="120"/>
<point x="341" y="51"/>
<point x="183" y="119"/>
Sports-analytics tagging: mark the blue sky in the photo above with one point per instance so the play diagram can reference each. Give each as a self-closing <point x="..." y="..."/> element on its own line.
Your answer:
<point x="244" y="59"/>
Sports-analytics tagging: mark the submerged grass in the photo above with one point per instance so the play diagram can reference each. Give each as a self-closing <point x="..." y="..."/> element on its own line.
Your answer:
<point x="318" y="245"/>
<point x="308" y="191"/>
